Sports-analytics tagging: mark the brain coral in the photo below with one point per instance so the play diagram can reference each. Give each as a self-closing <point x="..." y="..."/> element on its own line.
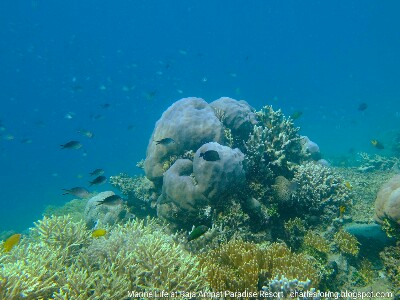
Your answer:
<point x="190" y="122"/>
<point x="387" y="203"/>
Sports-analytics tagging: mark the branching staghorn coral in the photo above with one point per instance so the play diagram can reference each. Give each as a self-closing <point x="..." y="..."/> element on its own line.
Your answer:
<point x="61" y="231"/>
<point x="136" y="256"/>
<point x="274" y="146"/>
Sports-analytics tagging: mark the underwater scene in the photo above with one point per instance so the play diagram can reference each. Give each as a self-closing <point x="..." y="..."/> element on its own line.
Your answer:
<point x="200" y="149"/>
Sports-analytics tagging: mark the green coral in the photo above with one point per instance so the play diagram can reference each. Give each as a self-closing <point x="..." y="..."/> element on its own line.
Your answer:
<point x="60" y="260"/>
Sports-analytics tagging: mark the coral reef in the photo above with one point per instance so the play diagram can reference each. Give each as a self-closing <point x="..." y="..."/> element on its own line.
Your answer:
<point x="189" y="187"/>
<point x="59" y="260"/>
<point x="347" y="242"/>
<point x="74" y="208"/>
<point x="104" y="214"/>
<point x="140" y="192"/>
<point x="313" y="240"/>
<point x="238" y="266"/>
<point x="282" y="189"/>
<point x="288" y="288"/>
<point x="238" y="116"/>
<point x="320" y="191"/>
<point x="201" y="126"/>
<point x="391" y="260"/>
<point x="274" y="147"/>
<point x="376" y="162"/>
<point x="365" y="186"/>
<point x="310" y="148"/>
<point x="387" y="203"/>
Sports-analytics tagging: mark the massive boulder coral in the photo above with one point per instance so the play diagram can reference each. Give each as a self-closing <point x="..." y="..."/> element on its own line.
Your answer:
<point x="387" y="203"/>
<point x="238" y="116"/>
<point x="215" y="178"/>
<point x="190" y="188"/>
<point x="190" y="123"/>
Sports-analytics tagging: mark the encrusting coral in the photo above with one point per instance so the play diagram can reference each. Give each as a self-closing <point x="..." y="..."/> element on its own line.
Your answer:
<point x="60" y="260"/>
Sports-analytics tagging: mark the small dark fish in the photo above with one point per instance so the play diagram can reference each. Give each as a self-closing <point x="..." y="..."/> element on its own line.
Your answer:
<point x="377" y="144"/>
<point x="105" y="105"/>
<point x="72" y="145"/>
<point x="296" y="115"/>
<point x="97" y="172"/>
<point x="26" y="141"/>
<point x="111" y="201"/>
<point x="210" y="155"/>
<point x="363" y="106"/>
<point x="165" y="141"/>
<point x="76" y="88"/>
<point x="96" y="117"/>
<point x="197" y="232"/>
<point x="150" y="95"/>
<point x="98" y="180"/>
<point x="78" y="192"/>
<point x="86" y="133"/>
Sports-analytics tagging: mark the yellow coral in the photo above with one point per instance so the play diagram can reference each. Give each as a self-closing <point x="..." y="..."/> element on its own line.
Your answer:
<point x="58" y="262"/>
<point x="239" y="266"/>
<point x="347" y="242"/>
<point x="314" y="240"/>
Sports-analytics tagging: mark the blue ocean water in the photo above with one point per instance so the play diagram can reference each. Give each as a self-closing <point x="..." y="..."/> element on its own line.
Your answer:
<point x="113" y="68"/>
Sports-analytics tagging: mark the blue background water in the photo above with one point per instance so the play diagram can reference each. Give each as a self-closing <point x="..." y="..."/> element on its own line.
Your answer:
<point x="57" y="57"/>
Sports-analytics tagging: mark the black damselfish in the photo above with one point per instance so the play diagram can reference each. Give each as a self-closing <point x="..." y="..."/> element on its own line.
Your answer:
<point x="210" y="155"/>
